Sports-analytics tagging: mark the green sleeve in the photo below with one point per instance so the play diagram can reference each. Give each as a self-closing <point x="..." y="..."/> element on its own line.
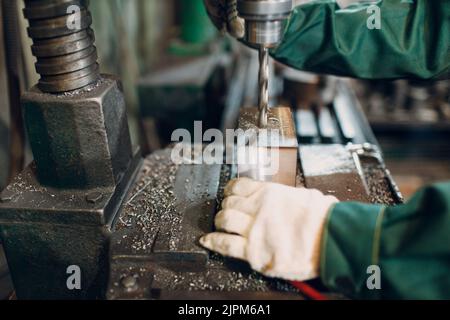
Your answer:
<point x="409" y="243"/>
<point x="413" y="41"/>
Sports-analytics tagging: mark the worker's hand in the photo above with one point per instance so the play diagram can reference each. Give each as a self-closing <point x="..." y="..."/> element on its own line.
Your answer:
<point x="223" y="14"/>
<point x="277" y="229"/>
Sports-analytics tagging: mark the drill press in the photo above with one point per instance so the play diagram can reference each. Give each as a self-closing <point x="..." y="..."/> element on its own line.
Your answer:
<point x="264" y="26"/>
<point x="60" y="211"/>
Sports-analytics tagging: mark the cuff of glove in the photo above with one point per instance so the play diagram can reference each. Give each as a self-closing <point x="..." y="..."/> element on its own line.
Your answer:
<point x="350" y="244"/>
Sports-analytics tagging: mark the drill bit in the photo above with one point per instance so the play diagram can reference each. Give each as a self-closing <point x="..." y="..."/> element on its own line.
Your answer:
<point x="263" y="100"/>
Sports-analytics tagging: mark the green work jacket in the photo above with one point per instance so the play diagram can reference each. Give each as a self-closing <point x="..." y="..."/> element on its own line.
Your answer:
<point x="380" y="40"/>
<point x="376" y="251"/>
<point x="382" y="252"/>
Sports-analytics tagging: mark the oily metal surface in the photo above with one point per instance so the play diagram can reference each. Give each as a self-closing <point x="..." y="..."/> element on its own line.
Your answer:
<point x="151" y="203"/>
<point x="332" y="170"/>
<point x="168" y="211"/>
<point x="26" y="200"/>
<point x="45" y="230"/>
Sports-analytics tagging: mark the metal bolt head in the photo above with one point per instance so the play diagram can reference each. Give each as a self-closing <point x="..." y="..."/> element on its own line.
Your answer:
<point x="129" y="283"/>
<point x="75" y="152"/>
<point x="94" y="197"/>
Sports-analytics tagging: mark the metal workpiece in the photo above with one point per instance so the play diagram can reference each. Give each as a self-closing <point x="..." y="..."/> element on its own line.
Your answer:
<point x="264" y="20"/>
<point x="280" y="121"/>
<point x="350" y="173"/>
<point x="63" y="44"/>
<point x="276" y="146"/>
<point x="79" y="139"/>
<point x="332" y="169"/>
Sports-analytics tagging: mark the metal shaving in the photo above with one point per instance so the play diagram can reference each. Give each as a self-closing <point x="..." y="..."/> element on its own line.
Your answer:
<point x="380" y="191"/>
<point x="24" y="185"/>
<point x="221" y="274"/>
<point x="85" y="90"/>
<point x="152" y="202"/>
<point x="211" y="280"/>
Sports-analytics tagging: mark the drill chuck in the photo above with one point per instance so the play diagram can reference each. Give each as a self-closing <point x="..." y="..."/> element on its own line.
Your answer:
<point x="264" y="20"/>
<point x="264" y="27"/>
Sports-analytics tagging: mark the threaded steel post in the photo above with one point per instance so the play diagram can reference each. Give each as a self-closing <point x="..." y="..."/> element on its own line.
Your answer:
<point x="63" y="44"/>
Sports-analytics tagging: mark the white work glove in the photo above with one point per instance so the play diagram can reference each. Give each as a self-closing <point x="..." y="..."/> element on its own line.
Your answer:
<point x="275" y="228"/>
